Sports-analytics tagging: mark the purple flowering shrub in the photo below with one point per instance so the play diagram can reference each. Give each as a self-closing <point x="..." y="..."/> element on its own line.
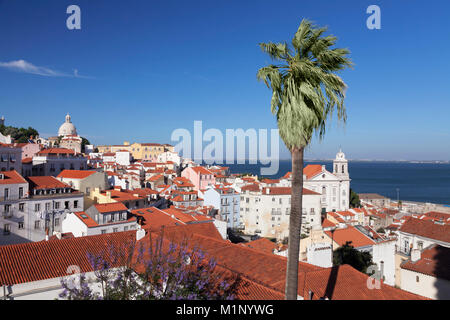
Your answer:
<point x="162" y="270"/>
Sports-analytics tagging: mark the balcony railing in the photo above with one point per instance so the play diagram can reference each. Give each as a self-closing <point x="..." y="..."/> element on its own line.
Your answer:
<point x="7" y="214"/>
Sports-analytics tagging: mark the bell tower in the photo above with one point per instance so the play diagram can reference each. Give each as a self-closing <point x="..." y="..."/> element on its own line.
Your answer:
<point x="340" y="165"/>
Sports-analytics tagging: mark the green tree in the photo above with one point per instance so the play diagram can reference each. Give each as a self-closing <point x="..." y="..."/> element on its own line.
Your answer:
<point x="20" y="135"/>
<point x="354" y="200"/>
<point x="347" y="254"/>
<point x="84" y="142"/>
<point x="305" y="93"/>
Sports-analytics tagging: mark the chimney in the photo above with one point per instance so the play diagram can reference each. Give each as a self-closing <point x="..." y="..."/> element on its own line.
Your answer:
<point x="140" y="233"/>
<point x="267" y="191"/>
<point x="415" y="255"/>
<point x="46" y="234"/>
<point x="381" y="270"/>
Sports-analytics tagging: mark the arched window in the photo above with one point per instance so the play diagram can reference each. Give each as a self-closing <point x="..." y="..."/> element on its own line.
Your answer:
<point x="342" y="168"/>
<point x="324" y="191"/>
<point x="336" y="168"/>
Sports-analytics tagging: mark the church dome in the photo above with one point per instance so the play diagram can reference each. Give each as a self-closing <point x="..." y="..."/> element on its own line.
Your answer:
<point x="67" y="128"/>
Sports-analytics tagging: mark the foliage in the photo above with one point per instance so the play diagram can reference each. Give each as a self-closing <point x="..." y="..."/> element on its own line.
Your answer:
<point x="381" y="230"/>
<point x="152" y="273"/>
<point x="347" y="254"/>
<point x="305" y="92"/>
<point x="305" y="88"/>
<point x="84" y="142"/>
<point x="20" y="135"/>
<point x="354" y="200"/>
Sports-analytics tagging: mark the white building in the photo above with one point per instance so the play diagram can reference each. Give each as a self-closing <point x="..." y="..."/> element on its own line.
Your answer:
<point x="13" y="194"/>
<point x="227" y="201"/>
<point x="85" y="181"/>
<point x="10" y="158"/>
<point x="170" y="156"/>
<point x="50" y="162"/>
<point x="34" y="207"/>
<point x="427" y="272"/>
<point x="334" y="187"/>
<point x="99" y="219"/>
<point x="123" y="157"/>
<point x="267" y="212"/>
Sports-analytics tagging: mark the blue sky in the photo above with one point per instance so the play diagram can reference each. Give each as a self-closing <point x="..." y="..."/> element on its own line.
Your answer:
<point x="146" y="68"/>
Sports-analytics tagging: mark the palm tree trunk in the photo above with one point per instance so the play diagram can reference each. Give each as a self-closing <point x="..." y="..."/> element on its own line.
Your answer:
<point x="295" y="223"/>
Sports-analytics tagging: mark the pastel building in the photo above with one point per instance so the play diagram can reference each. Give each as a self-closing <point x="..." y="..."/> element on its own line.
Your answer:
<point x="99" y="219"/>
<point x="227" y="201"/>
<point x="200" y="177"/>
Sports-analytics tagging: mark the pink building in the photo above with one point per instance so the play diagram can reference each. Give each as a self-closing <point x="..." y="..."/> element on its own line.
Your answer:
<point x="28" y="149"/>
<point x="200" y="177"/>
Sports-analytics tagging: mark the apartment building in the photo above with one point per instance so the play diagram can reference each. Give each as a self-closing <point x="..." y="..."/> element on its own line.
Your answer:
<point x="10" y="158"/>
<point x="266" y="212"/>
<point x="227" y="201"/>
<point x="50" y="162"/>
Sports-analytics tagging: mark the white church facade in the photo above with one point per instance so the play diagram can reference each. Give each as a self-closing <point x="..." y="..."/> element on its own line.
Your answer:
<point x="334" y="187"/>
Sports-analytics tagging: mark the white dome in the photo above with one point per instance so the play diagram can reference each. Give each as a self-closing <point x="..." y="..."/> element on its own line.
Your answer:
<point x="67" y="128"/>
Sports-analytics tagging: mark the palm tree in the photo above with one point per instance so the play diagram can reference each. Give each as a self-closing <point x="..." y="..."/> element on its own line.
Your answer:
<point x="305" y="92"/>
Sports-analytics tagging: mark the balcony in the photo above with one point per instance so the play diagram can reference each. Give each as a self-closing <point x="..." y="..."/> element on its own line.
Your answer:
<point x="7" y="214"/>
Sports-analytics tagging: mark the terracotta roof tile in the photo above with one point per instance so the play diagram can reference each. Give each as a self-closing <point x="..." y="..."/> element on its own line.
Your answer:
<point x="46" y="182"/>
<point x="12" y="177"/>
<point x="428" y="229"/>
<point x="75" y="174"/>
<point x="110" y="207"/>
<point x="358" y="239"/>
<point x="434" y="261"/>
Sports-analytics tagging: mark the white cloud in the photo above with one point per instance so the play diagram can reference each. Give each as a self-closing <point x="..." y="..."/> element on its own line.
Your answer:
<point x="27" y="67"/>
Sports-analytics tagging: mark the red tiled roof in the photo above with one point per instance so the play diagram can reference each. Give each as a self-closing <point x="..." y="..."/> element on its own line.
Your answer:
<point x="41" y="260"/>
<point x="155" y="178"/>
<point x="346" y="283"/>
<point x="110" y="207"/>
<point x="75" y="174"/>
<point x="57" y="151"/>
<point x="427" y="229"/>
<point x="87" y="220"/>
<point x="312" y="170"/>
<point x="11" y="177"/>
<point x="434" y="261"/>
<point x="438" y="215"/>
<point x="27" y="160"/>
<point x="201" y="170"/>
<point x="250" y="187"/>
<point x="46" y="182"/>
<point x="262" y="244"/>
<point x="154" y="219"/>
<point x="263" y="274"/>
<point x="328" y="224"/>
<point x="358" y="239"/>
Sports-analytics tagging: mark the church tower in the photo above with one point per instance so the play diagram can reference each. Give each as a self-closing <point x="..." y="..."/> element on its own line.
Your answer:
<point x="340" y="165"/>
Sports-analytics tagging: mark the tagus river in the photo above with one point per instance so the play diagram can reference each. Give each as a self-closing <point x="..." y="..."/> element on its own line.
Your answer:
<point x="421" y="182"/>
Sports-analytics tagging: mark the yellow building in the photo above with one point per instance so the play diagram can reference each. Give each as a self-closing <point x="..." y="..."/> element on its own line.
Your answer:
<point x="114" y="148"/>
<point x="139" y="151"/>
<point x="149" y="151"/>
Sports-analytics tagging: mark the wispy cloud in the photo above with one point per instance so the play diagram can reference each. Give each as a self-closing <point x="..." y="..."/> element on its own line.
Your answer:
<point x="27" y="67"/>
